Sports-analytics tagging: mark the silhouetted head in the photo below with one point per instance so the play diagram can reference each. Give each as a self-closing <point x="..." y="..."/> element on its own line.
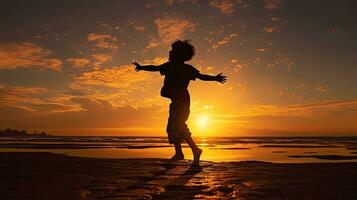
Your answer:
<point x="181" y="51"/>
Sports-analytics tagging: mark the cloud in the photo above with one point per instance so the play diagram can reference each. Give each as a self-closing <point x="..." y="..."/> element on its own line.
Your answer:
<point x="137" y="26"/>
<point x="103" y="41"/>
<point x="169" y="2"/>
<point x="153" y="43"/>
<point x="171" y="29"/>
<point x="155" y="61"/>
<point x="273" y="4"/>
<point x="100" y="59"/>
<point x="300" y="85"/>
<point x="262" y="49"/>
<point x="269" y="29"/>
<point x="321" y="88"/>
<point x="78" y="62"/>
<point x="116" y="77"/>
<point x="38" y="100"/>
<point x="224" y="41"/>
<point x="281" y="60"/>
<point x="226" y="7"/>
<point x="94" y="113"/>
<point x="237" y="66"/>
<point x="326" y="107"/>
<point x="121" y="85"/>
<point x="332" y="30"/>
<point x="26" y="55"/>
<point x="20" y="95"/>
<point x="303" y="110"/>
<point x="47" y="108"/>
<point x="275" y="19"/>
<point x="92" y="104"/>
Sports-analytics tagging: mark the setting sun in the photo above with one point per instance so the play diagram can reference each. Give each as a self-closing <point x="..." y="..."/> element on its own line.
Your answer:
<point x="202" y="121"/>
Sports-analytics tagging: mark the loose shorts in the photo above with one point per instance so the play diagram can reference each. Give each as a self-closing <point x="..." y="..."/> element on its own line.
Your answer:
<point x="177" y="129"/>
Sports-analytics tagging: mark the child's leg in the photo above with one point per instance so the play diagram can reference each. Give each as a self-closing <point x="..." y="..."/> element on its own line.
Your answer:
<point x="195" y="150"/>
<point x="179" y="154"/>
<point x="178" y="148"/>
<point x="172" y="133"/>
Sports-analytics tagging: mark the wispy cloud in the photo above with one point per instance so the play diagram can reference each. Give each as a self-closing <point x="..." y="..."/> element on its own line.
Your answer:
<point x="171" y="29"/>
<point x="301" y="110"/>
<point x="300" y="85"/>
<point x="270" y="29"/>
<point x="116" y="77"/>
<point x="237" y="66"/>
<point x="103" y="41"/>
<point x="155" y="61"/>
<point x="262" y="49"/>
<point x="169" y="2"/>
<point x="27" y="55"/>
<point x="224" y="41"/>
<point x="78" y="62"/>
<point x="226" y="7"/>
<point x="273" y="4"/>
<point x="18" y="95"/>
<point x="85" y="117"/>
<point x="100" y="59"/>
<point x="281" y="60"/>
<point x="38" y="100"/>
<point x="321" y="88"/>
<point x="153" y="43"/>
<point x="137" y="26"/>
<point x="275" y="19"/>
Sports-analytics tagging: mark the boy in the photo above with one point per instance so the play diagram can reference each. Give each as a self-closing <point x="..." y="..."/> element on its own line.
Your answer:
<point x="177" y="77"/>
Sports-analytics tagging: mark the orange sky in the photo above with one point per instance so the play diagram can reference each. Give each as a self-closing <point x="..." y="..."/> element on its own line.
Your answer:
<point x="65" y="67"/>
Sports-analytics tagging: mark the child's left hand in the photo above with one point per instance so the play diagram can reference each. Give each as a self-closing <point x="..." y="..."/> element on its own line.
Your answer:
<point x="138" y="66"/>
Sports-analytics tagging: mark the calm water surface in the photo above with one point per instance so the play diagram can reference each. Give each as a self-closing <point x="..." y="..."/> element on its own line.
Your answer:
<point x="270" y="149"/>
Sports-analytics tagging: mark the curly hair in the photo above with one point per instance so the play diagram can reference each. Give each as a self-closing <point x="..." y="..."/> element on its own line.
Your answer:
<point x="182" y="50"/>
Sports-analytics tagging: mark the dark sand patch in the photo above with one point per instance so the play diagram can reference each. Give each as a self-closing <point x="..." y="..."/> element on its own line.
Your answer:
<point x="298" y="146"/>
<point x="325" y="157"/>
<point x="143" y="146"/>
<point x="279" y="151"/>
<point x="230" y="148"/>
<point x="55" y="145"/>
<point x="54" y="176"/>
<point x="76" y="146"/>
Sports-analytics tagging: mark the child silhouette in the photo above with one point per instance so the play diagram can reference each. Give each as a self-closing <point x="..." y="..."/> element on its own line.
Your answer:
<point x="178" y="74"/>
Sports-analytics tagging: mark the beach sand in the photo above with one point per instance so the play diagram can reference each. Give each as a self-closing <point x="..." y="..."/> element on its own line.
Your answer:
<point x="43" y="175"/>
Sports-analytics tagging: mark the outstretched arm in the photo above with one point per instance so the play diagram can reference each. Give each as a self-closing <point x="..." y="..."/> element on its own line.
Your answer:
<point x="218" y="77"/>
<point x="151" y="68"/>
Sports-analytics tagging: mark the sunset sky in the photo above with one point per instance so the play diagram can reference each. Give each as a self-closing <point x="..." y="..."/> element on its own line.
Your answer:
<point x="65" y="66"/>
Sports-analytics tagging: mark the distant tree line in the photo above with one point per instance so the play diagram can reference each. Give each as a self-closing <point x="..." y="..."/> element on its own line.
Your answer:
<point x="16" y="133"/>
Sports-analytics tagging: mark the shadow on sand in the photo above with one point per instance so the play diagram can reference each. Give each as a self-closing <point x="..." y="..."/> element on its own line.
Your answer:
<point x="173" y="182"/>
<point x="182" y="186"/>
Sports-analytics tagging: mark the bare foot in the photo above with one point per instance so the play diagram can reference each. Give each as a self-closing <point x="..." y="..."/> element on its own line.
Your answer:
<point x="196" y="157"/>
<point x="177" y="157"/>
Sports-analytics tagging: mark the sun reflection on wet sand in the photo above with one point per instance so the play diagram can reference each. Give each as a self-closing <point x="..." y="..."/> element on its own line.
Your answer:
<point x="280" y="150"/>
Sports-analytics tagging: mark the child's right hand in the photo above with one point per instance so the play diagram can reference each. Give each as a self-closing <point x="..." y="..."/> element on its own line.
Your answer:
<point x="137" y="66"/>
<point x="221" y="78"/>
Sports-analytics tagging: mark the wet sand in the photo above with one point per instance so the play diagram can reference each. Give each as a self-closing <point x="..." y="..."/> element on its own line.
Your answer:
<point x="53" y="176"/>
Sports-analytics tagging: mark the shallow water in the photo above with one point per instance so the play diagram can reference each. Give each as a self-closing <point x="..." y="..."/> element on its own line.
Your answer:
<point x="269" y="149"/>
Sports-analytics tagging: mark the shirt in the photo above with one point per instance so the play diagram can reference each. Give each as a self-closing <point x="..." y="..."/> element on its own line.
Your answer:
<point x="177" y="79"/>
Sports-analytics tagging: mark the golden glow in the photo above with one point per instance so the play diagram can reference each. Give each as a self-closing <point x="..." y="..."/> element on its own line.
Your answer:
<point x="95" y="90"/>
<point x="203" y="121"/>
